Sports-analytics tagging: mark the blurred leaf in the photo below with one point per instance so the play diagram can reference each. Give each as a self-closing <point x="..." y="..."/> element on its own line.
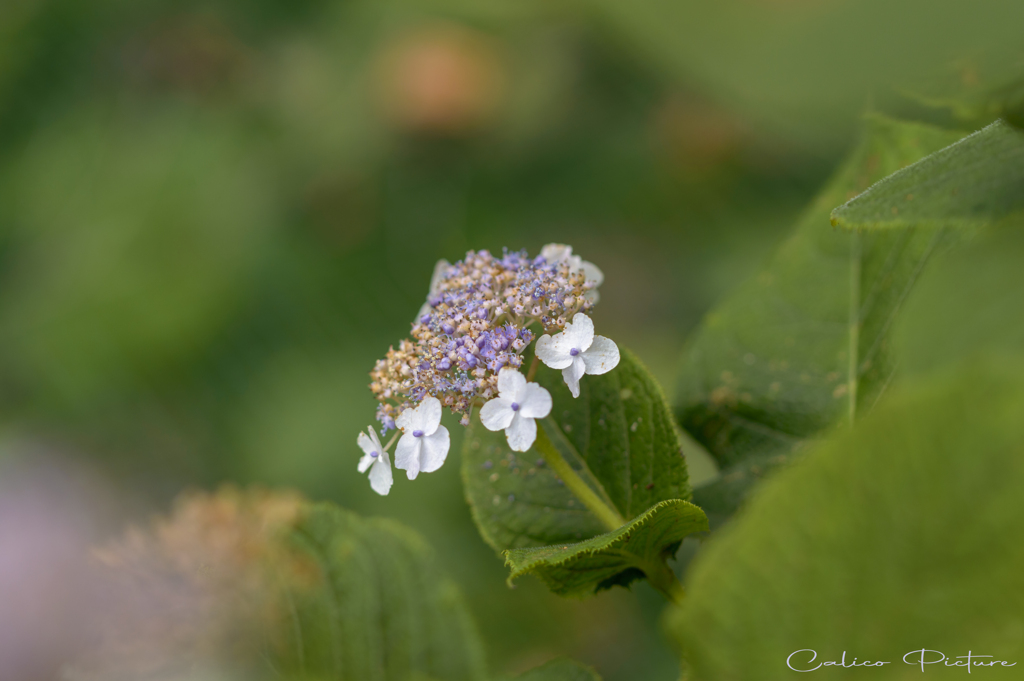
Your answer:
<point x="967" y="305"/>
<point x="972" y="183"/>
<point x="383" y="610"/>
<point x="900" y="535"/>
<point x="804" y="345"/>
<point x="255" y="582"/>
<point x="561" y="669"/>
<point x="619" y="438"/>
<point x="616" y="558"/>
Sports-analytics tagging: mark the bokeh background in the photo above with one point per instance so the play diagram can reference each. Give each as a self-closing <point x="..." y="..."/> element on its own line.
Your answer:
<point x="215" y="216"/>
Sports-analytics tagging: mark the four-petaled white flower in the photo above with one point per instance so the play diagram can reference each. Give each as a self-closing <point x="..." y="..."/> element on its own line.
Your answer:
<point x="424" y="443"/>
<point x="440" y="269"/>
<point x="558" y="253"/>
<point x="514" y="409"/>
<point x="576" y="351"/>
<point x="376" y="459"/>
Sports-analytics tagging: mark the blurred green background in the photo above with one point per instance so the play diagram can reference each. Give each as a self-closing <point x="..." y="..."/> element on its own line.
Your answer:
<point x="215" y="216"/>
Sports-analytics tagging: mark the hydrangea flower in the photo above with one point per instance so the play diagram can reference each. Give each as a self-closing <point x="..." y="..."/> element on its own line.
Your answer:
<point x="467" y="345"/>
<point x="557" y="254"/>
<point x="577" y="351"/>
<point x="376" y="460"/>
<point x="424" y="443"/>
<point x="476" y="322"/>
<point x="515" y="409"/>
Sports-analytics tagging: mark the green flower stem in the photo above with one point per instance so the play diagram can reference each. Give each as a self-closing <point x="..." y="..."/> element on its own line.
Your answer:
<point x="533" y="368"/>
<point x="608" y="515"/>
<point x="854" y="326"/>
<point x="661" y="577"/>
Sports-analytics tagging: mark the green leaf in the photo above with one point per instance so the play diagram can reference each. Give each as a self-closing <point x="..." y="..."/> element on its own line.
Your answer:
<point x="900" y="535"/>
<point x="619" y="438"/>
<point x="805" y="344"/>
<point x="968" y="306"/>
<point x="260" y="584"/>
<point x="561" y="669"/>
<point x="599" y="460"/>
<point x="976" y="181"/>
<point x="637" y="549"/>
<point x="381" y="609"/>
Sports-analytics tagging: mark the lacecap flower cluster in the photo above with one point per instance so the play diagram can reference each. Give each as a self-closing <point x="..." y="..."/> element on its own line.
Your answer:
<point x="466" y="351"/>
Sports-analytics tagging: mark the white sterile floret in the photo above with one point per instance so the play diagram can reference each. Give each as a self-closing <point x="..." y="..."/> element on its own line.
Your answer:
<point x="559" y="253"/>
<point x="514" y="409"/>
<point x="440" y="269"/>
<point x="376" y="459"/>
<point x="577" y="351"/>
<point x="424" y="443"/>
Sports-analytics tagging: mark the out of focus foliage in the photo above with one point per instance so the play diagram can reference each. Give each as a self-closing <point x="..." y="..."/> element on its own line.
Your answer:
<point x="894" y="538"/>
<point x="898" y="534"/>
<point x="215" y="216"/>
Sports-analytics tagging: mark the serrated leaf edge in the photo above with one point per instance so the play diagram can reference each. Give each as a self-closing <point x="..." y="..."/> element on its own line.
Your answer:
<point x="579" y="547"/>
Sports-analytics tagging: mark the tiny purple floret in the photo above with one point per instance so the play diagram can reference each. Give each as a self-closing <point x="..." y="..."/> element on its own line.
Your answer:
<point x="515" y="406"/>
<point x="374" y="454"/>
<point x="417" y="433"/>
<point x="573" y="352"/>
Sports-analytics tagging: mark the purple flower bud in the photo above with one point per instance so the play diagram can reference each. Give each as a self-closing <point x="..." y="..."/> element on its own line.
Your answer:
<point x="444" y="365"/>
<point x="448" y="328"/>
<point x="472" y="361"/>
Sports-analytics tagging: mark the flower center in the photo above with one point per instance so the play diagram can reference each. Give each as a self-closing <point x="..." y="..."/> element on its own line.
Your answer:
<point x="574" y="352"/>
<point x="515" y="406"/>
<point x="374" y="454"/>
<point x="417" y="433"/>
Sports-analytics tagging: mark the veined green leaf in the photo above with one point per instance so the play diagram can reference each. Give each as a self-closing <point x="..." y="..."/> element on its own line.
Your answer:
<point x="620" y="455"/>
<point x="805" y="344"/>
<point x="381" y="608"/>
<point x="637" y="549"/>
<point x="900" y="535"/>
<point x="561" y="669"/>
<point x="261" y="585"/>
<point x="975" y="182"/>
<point x="619" y="438"/>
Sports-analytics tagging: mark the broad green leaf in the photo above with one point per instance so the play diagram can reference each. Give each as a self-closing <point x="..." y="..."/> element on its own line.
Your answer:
<point x="616" y="558"/>
<point x="968" y="305"/>
<point x="622" y="455"/>
<point x="618" y="436"/>
<point x="382" y="609"/>
<point x="900" y="535"/>
<point x="264" y="585"/>
<point x="975" y="182"/>
<point x="560" y="669"/>
<point x="805" y="344"/>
